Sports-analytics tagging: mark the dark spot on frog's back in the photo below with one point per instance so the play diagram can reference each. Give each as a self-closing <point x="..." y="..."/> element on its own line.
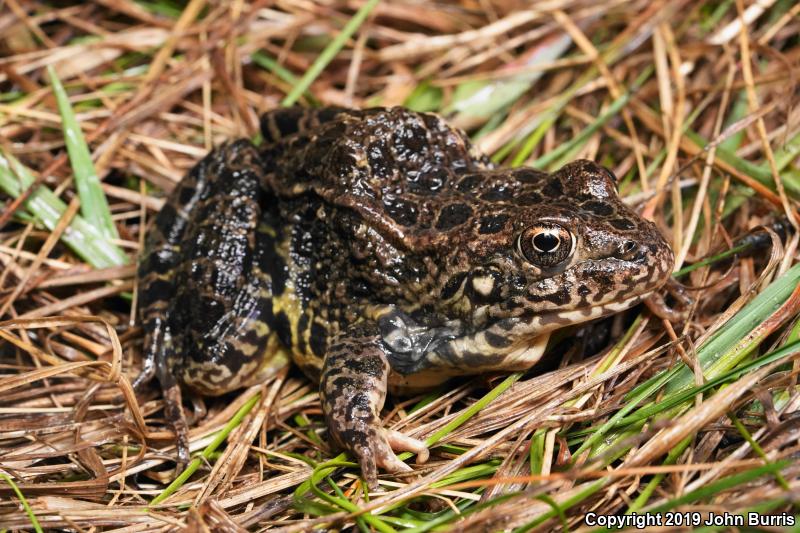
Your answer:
<point x="598" y="208"/>
<point x="379" y="159"/>
<point x="622" y="224"/>
<point x="554" y="188"/>
<point x="498" y="193"/>
<point x="341" y="162"/>
<point x="492" y="224"/>
<point x="453" y="215"/>
<point x="288" y="121"/>
<point x="528" y="198"/>
<point x="410" y="140"/>
<point x="529" y="175"/>
<point x="429" y="181"/>
<point x="401" y="211"/>
<point x="470" y="182"/>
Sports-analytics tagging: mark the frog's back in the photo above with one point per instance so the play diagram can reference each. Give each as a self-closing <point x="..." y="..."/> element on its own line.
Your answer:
<point x="395" y="168"/>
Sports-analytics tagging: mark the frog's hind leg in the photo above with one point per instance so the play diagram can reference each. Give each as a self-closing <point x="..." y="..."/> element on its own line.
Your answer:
<point x="353" y="390"/>
<point x="158" y="262"/>
<point x="159" y="275"/>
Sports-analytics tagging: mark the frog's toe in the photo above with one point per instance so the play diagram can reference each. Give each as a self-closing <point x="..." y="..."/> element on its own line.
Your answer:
<point x="379" y="452"/>
<point x="401" y="442"/>
<point x="173" y="412"/>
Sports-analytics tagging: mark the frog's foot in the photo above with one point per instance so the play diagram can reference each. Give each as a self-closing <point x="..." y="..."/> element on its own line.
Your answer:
<point x="353" y="389"/>
<point x="377" y="450"/>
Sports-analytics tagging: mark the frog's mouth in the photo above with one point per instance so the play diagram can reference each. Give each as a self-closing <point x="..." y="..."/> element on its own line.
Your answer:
<point x="515" y="343"/>
<point x="547" y="322"/>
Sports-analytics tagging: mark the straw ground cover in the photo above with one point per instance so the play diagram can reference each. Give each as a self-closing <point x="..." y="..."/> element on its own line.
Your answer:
<point x="105" y="105"/>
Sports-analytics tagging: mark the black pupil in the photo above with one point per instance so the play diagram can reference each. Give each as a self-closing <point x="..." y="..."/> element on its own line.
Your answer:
<point x="546" y="242"/>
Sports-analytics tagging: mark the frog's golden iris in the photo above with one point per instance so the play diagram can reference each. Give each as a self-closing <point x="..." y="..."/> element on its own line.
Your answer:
<point x="546" y="245"/>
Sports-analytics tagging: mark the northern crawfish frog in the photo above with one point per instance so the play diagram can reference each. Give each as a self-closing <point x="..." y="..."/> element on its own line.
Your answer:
<point x="379" y="251"/>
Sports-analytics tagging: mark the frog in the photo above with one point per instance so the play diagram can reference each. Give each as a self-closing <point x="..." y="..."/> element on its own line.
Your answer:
<point x="381" y="252"/>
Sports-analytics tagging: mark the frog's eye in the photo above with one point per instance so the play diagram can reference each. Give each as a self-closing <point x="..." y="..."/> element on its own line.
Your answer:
<point x="546" y="245"/>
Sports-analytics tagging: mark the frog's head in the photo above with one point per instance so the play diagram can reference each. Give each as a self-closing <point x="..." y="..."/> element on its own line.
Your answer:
<point x="564" y="249"/>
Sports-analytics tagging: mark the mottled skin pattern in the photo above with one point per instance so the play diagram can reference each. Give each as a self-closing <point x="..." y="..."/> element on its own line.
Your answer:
<point x="378" y="249"/>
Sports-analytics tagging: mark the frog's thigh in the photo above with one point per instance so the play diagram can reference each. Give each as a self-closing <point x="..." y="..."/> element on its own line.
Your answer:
<point x="250" y="355"/>
<point x="242" y="347"/>
<point x="157" y="265"/>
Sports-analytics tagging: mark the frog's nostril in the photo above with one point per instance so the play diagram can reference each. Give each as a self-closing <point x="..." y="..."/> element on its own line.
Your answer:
<point x="629" y="251"/>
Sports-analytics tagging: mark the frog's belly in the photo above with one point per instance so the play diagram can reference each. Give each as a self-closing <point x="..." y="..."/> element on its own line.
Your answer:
<point x="518" y="359"/>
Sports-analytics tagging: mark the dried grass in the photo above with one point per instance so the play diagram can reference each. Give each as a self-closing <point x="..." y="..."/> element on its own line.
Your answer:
<point x="692" y="104"/>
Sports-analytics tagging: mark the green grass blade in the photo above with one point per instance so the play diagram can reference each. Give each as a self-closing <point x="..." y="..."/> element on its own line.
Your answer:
<point x="424" y="98"/>
<point x="585" y="491"/>
<point x="647" y="491"/>
<point x="719" y="357"/>
<point x="484" y="99"/>
<point x="268" y="63"/>
<point x="685" y="396"/>
<point x="94" y="206"/>
<point x="631" y="403"/>
<point x="206" y="454"/>
<point x="547" y="160"/>
<point x="711" y="260"/>
<point x="760" y="173"/>
<point x="710" y="355"/>
<point x="329" y="53"/>
<point x="715" y="355"/>
<point x="81" y="237"/>
<point x="474" y="409"/>
<point x="32" y="517"/>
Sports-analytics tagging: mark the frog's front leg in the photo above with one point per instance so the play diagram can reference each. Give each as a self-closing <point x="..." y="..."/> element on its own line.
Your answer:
<point x="353" y="389"/>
